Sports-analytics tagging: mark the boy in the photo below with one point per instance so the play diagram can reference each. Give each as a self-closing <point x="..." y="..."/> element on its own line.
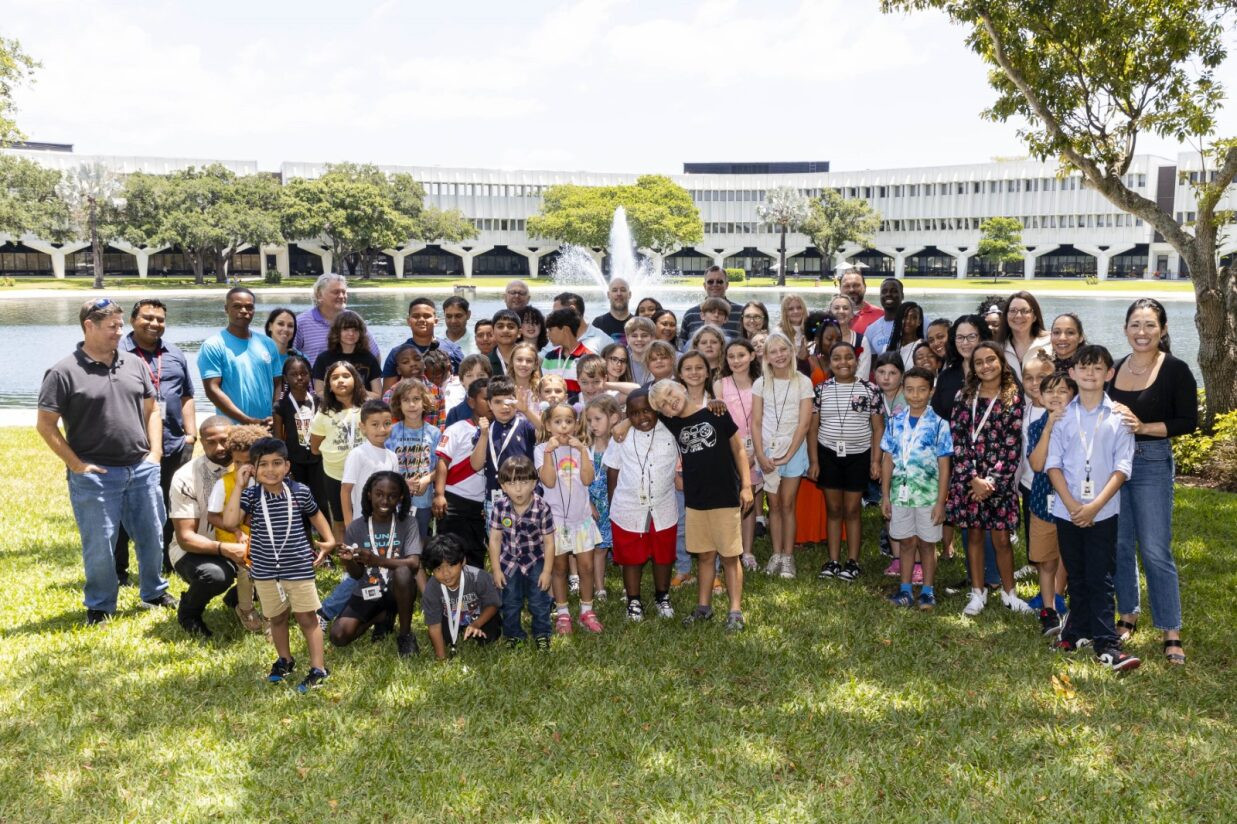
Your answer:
<point x="367" y="458"/>
<point x="471" y="368"/>
<point x="459" y="595"/>
<point x="282" y="560"/>
<point x="560" y="328"/>
<point x="504" y="434"/>
<point x="459" y="489"/>
<point x="437" y="369"/>
<point x="644" y="514"/>
<point x="591" y="376"/>
<point x="715" y="312"/>
<point x="1055" y="392"/>
<point x="522" y="551"/>
<point x="717" y="490"/>
<point x="916" y="449"/>
<point x="240" y="438"/>
<point x="1090" y="456"/>
<point x="482" y="338"/>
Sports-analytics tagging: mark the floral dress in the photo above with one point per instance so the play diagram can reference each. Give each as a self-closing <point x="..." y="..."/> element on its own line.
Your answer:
<point x="995" y="452"/>
<point x="600" y="500"/>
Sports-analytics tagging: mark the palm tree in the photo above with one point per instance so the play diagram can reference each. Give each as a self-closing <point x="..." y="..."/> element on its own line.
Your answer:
<point x="90" y="191"/>
<point x="787" y="209"/>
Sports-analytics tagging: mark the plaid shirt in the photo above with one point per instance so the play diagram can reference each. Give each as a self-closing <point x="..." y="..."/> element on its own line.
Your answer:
<point x="523" y="545"/>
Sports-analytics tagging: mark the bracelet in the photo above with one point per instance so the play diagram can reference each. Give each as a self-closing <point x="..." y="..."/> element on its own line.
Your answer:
<point x="219" y="548"/>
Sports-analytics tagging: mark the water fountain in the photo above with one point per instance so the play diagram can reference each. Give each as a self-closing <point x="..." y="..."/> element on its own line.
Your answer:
<point x="576" y="265"/>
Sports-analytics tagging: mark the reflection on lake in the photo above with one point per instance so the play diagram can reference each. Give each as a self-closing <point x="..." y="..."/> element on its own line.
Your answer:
<point x="38" y="332"/>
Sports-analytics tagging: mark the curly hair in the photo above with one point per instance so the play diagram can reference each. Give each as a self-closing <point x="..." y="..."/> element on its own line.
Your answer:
<point x="1009" y="384"/>
<point x="405" y="495"/>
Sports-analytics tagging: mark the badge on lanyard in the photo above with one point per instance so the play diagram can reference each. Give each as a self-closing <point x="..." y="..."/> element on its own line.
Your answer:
<point x="904" y="494"/>
<point x="1086" y="489"/>
<point x="840" y="448"/>
<point x="163" y="408"/>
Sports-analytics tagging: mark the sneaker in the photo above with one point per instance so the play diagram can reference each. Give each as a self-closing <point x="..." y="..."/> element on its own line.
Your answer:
<point x="682" y="579"/>
<point x="406" y="645"/>
<point x="1037" y="602"/>
<point x="1118" y="661"/>
<point x="635" y="610"/>
<point x="313" y="680"/>
<point x="599" y="595"/>
<point x="543" y="643"/>
<point x="894" y="570"/>
<point x="1025" y="572"/>
<point x="250" y="619"/>
<point x="562" y="624"/>
<point x="1065" y="645"/>
<point x="749" y="561"/>
<point x="1049" y="622"/>
<point x="324" y="623"/>
<point x="698" y="615"/>
<point x="94" y="617"/>
<point x="886" y="548"/>
<point x="762" y="527"/>
<point x="164" y="601"/>
<point x="1015" y="604"/>
<point x="927" y="602"/>
<point x="775" y="564"/>
<point x="381" y="631"/>
<point x="830" y="569"/>
<point x="589" y="621"/>
<point x="514" y="643"/>
<point x="917" y="574"/>
<point x="960" y="588"/>
<point x="902" y="599"/>
<point x="735" y="622"/>
<point x="979" y="600"/>
<point x="573" y="584"/>
<point x="195" y="626"/>
<point x="281" y="669"/>
<point x="850" y="572"/>
<point x="788" y="567"/>
<point x="665" y="609"/>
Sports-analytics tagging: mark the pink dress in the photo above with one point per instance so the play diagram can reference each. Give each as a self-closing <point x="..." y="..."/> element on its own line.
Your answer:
<point x="739" y="402"/>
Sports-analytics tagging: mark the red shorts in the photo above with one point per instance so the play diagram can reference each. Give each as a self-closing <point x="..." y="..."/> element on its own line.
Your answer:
<point x="635" y="548"/>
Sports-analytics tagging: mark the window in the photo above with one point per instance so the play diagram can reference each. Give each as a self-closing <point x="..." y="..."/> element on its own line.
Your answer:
<point x="882" y="191"/>
<point x="976" y="187"/>
<point x="961" y="189"/>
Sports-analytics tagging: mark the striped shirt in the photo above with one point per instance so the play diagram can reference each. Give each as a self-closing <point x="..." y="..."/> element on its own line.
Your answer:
<point x="846" y="411"/>
<point x="290" y="557"/>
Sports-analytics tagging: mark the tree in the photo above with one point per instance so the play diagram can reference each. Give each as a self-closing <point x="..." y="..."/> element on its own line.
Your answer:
<point x="89" y="192"/>
<point x="29" y="200"/>
<point x="250" y="216"/>
<point x="835" y="221"/>
<point x="1090" y="76"/>
<point x="660" y="212"/>
<point x="787" y="209"/>
<point x="16" y="68"/>
<point x="1000" y="242"/>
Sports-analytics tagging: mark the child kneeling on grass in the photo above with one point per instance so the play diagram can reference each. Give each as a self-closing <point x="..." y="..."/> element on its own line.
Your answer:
<point x="460" y="596"/>
<point x="522" y="551"/>
<point x="282" y="560"/>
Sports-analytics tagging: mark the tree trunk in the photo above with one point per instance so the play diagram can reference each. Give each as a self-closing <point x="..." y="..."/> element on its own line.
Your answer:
<point x="221" y="267"/>
<point x="1215" y="317"/>
<point x="199" y="269"/>
<point x="96" y="248"/>
<point x="781" y="260"/>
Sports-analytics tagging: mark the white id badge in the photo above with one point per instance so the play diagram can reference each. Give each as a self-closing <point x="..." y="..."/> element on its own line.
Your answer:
<point x="643" y="497"/>
<point x="749" y="446"/>
<point x="1087" y="490"/>
<point x="904" y="494"/>
<point x="1052" y="503"/>
<point x="163" y="408"/>
<point x="840" y="449"/>
<point x="496" y="496"/>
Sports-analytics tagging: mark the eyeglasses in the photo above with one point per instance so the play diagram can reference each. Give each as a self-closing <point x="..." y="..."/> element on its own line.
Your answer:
<point x="971" y="338"/>
<point x="1021" y="312"/>
<point x="616" y="359"/>
<point x="714" y="283"/>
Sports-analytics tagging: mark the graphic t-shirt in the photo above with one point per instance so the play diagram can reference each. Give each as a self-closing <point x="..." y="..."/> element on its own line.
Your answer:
<point x="296" y="417"/>
<point x="915" y="448"/>
<point x="341" y="432"/>
<point x="710" y="478"/>
<point x="479" y="593"/>
<point x="414" y="450"/>
<point x="392" y="539"/>
<point x="568" y="498"/>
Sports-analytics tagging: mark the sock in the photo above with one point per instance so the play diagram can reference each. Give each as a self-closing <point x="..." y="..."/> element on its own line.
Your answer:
<point x="664" y="595"/>
<point x="927" y="590"/>
<point x="905" y="588"/>
<point x="586" y="607"/>
<point x="562" y="609"/>
<point x="633" y="599"/>
<point x="979" y="592"/>
<point x="735" y="613"/>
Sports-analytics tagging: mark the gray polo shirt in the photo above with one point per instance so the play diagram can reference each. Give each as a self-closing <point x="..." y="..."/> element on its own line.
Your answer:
<point x="101" y="406"/>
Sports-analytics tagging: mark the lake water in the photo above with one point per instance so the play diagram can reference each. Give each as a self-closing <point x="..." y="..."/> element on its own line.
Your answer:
<point x="38" y="332"/>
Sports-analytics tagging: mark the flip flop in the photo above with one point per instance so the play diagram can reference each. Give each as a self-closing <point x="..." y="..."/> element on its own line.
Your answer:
<point x="1176" y="658"/>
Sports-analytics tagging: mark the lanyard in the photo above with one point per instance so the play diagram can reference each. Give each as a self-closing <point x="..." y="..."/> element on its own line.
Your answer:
<point x="266" y="516"/>
<point x="496" y="452"/>
<point x="155" y="377"/>
<point x="908" y="435"/>
<point x="567" y="481"/>
<point x="373" y="545"/>
<point x="454" y="617"/>
<point x="747" y="419"/>
<point x="779" y="409"/>
<point x="296" y="407"/>
<point x="976" y="430"/>
<point x="645" y="472"/>
<point x="844" y="410"/>
<point x="1088" y="447"/>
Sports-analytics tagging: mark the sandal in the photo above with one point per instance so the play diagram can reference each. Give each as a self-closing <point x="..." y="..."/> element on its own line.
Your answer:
<point x="1125" y="630"/>
<point x="1177" y="658"/>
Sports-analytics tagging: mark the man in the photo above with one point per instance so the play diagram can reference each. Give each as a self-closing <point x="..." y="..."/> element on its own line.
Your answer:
<point x="855" y="287"/>
<point x="422" y="317"/>
<point x="169" y="372"/>
<point x="456" y="313"/>
<point x="715" y="284"/>
<point x="593" y="338"/>
<point x="207" y="565"/>
<point x="112" y="446"/>
<point x="238" y="366"/>
<point x="880" y="330"/>
<point x="516" y="296"/>
<point x="612" y="322"/>
<point x="312" y="325"/>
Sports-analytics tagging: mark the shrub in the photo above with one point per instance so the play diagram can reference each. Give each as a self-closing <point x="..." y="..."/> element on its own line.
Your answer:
<point x="273" y="277"/>
<point x="1204" y="454"/>
<point x="736" y="275"/>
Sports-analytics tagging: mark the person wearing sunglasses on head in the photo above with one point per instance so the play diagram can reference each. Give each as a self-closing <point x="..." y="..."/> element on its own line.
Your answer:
<point x="715" y="285"/>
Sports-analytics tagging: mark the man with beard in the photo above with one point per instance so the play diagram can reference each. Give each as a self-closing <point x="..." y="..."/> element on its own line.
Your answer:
<point x="612" y="322"/>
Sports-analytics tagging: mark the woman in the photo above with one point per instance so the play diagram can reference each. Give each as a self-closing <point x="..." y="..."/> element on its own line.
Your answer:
<point x="992" y="310"/>
<point x="1025" y="322"/>
<point x="907" y="332"/>
<point x="755" y="319"/>
<point x="648" y="307"/>
<point x="281" y="329"/>
<point x="532" y="327"/>
<point x="667" y="324"/>
<point x="1156" y="395"/>
<point x="348" y="340"/>
<point x="843" y="309"/>
<point x="506" y="336"/>
<point x="1067" y="338"/>
<point x="966" y="333"/>
<point x="811" y="517"/>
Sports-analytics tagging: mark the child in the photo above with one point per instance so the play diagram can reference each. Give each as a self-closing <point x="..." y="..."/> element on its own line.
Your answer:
<point x="367" y="458"/>
<point x="566" y="471"/>
<point x="459" y="485"/>
<point x="522" y="551"/>
<point x="794" y="315"/>
<point x="739" y="370"/>
<point x="916" y="447"/>
<point x="409" y="364"/>
<point x="552" y="389"/>
<point x="335" y="431"/>
<point x="1090" y="456"/>
<point x="526" y="374"/>
<point x="781" y="416"/>
<point x="714" y="312"/>
<point x="694" y="372"/>
<point x="710" y="341"/>
<point x="240" y="439"/>
<point x="293" y="414"/>
<point x="987" y="450"/>
<point x="1055" y="391"/>
<point x="600" y="416"/>
<point x="412" y="440"/>
<point x="716" y="491"/>
<point x="504" y="434"/>
<point x="1038" y="366"/>
<point x="483" y="340"/>
<point x="617" y="363"/>
<point x="659" y="362"/>
<point x="591" y="376"/>
<point x="382" y="549"/>
<point x="643" y="512"/>
<point x="437" y="371"/>
<point x="282" y="568"/>
<point x="561" y="326"/>
<point x="849" y="425"/>
<point x="471" y="368"/>
<point x="640" y="335"/>
<point x="925" y="357"/>
<point x="349" y="340"/>
<point x="887" y="375"/>
<point x="461" y="595"/>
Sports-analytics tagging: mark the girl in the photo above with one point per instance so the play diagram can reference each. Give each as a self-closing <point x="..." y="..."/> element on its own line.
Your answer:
<point x="794" y="313"/>
<point x="409" y="364"/>
<point x="335" y="430"/>
<point x="437" y="372"/>
<point x="758" y="344"/>
<point x="693" y="372"/>
<point x="551" y="389"/>
<point x="600" y="416"/>
<point x="281" y="329"/>
<point x="937" y="336"/>
<point x="618" y="362"/>
<point x="986" y="424"/>
<point x="709" y="341"/>
<point x="413" y="441"/>
<point x="566" y="471"/>
<point x="925" y="358"/>
<point x="659" y="361"/>
<point x="887" y="375"/>
<point x="641" y="332"/>
<point x="383" y="551"/>
<point x="293" y="414"/>
<point x="667" y="327"/>
<point x="842" y="308"/>
<point x="532" y="327"/>
<point x="1067" y="337"/>
<point x="992" y="310"/>
<point x="506" y="336"/>
<point x="348" y="340"/>
<point x="526" y="374"/>
<point x="1027" y="335"/>
<point x="755" y="319"/>
<point x="739" y="371"/>
<point x="648" y="307"/>
<point x="907" y="332"/>
<point x="848" y="424"/>
<point x="781" y="415"/>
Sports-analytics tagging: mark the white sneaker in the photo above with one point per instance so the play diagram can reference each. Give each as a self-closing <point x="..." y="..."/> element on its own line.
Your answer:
<point x="775" y="564"/>
<point x="664" y="609"/>
<point x="979" y="599"/>
<point x="573" y="584"/>
<point x="1025" y="572"/>
<point x="788" y="566"/>
<point x="1015" y="604"/>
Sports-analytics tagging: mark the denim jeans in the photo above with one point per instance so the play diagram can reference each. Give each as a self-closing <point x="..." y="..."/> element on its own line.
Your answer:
<point x="1147" y="524"/>
<point x="128" y="495"/>
<point x="339" y="597"/>
<point x="1089" y="555"/>
<point x="171" y="462"/>
<point x="522" y="587"/>
<point x="682" y="561"/>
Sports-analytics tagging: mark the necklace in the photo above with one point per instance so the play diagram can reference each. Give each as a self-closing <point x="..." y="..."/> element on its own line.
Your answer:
<point x="1130" y="365"/>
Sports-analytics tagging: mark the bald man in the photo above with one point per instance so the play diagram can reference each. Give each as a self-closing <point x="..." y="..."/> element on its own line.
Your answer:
<point x="516" y="296"/>
<point x="612" y="322"/>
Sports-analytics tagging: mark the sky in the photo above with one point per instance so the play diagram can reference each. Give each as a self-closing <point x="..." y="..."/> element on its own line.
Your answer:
<point x="598" y="85"/>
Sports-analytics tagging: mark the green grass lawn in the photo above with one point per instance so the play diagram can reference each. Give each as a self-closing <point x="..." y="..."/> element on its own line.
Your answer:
<point x="832" y="706"/>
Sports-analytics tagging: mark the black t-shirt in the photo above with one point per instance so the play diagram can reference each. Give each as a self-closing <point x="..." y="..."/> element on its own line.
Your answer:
<point x="612" y="326"/>
<point x="710" y="478"/>
<point x="296" y="427"/>
<point x="364" y="361"/>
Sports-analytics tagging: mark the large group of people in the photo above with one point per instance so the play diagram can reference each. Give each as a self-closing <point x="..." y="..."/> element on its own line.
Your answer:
<point x="502" y="465"/>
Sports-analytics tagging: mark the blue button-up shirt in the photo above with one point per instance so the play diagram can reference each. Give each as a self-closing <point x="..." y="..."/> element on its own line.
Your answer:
<point x="169" y="372"/>
<point x="1113" y="451"/>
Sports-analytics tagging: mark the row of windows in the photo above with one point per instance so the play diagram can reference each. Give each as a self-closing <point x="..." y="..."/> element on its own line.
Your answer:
<point x="1203" y="177"/>
<point x="946" y="224"/>
<point x="497" y="224"/>
<point x="484" y="189"/>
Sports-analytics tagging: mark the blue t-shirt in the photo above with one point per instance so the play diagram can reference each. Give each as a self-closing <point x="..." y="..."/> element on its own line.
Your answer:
<point x="459" y="412"/>
<point x="291" y="557"/>
<point x="414" y="448"/>
<point x="246" y="367"/>
<point x="1041" y="487"/>
<point x="452" y="350"/>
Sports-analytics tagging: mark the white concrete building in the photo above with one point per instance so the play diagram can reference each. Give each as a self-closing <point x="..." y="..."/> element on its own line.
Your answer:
<point x="930" y="222"/>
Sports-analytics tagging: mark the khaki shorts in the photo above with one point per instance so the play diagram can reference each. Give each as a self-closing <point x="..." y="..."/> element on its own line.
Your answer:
<point x="1043" y="542"/>
<point x="302" y="596"/>
<point x="715" y="530"/>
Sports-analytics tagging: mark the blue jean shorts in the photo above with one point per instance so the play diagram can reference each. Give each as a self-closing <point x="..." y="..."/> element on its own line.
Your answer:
<point x="797" y="466"/>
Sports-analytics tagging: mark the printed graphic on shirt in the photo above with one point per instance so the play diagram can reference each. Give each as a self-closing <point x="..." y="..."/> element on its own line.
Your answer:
<point x="697" y="437"/>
